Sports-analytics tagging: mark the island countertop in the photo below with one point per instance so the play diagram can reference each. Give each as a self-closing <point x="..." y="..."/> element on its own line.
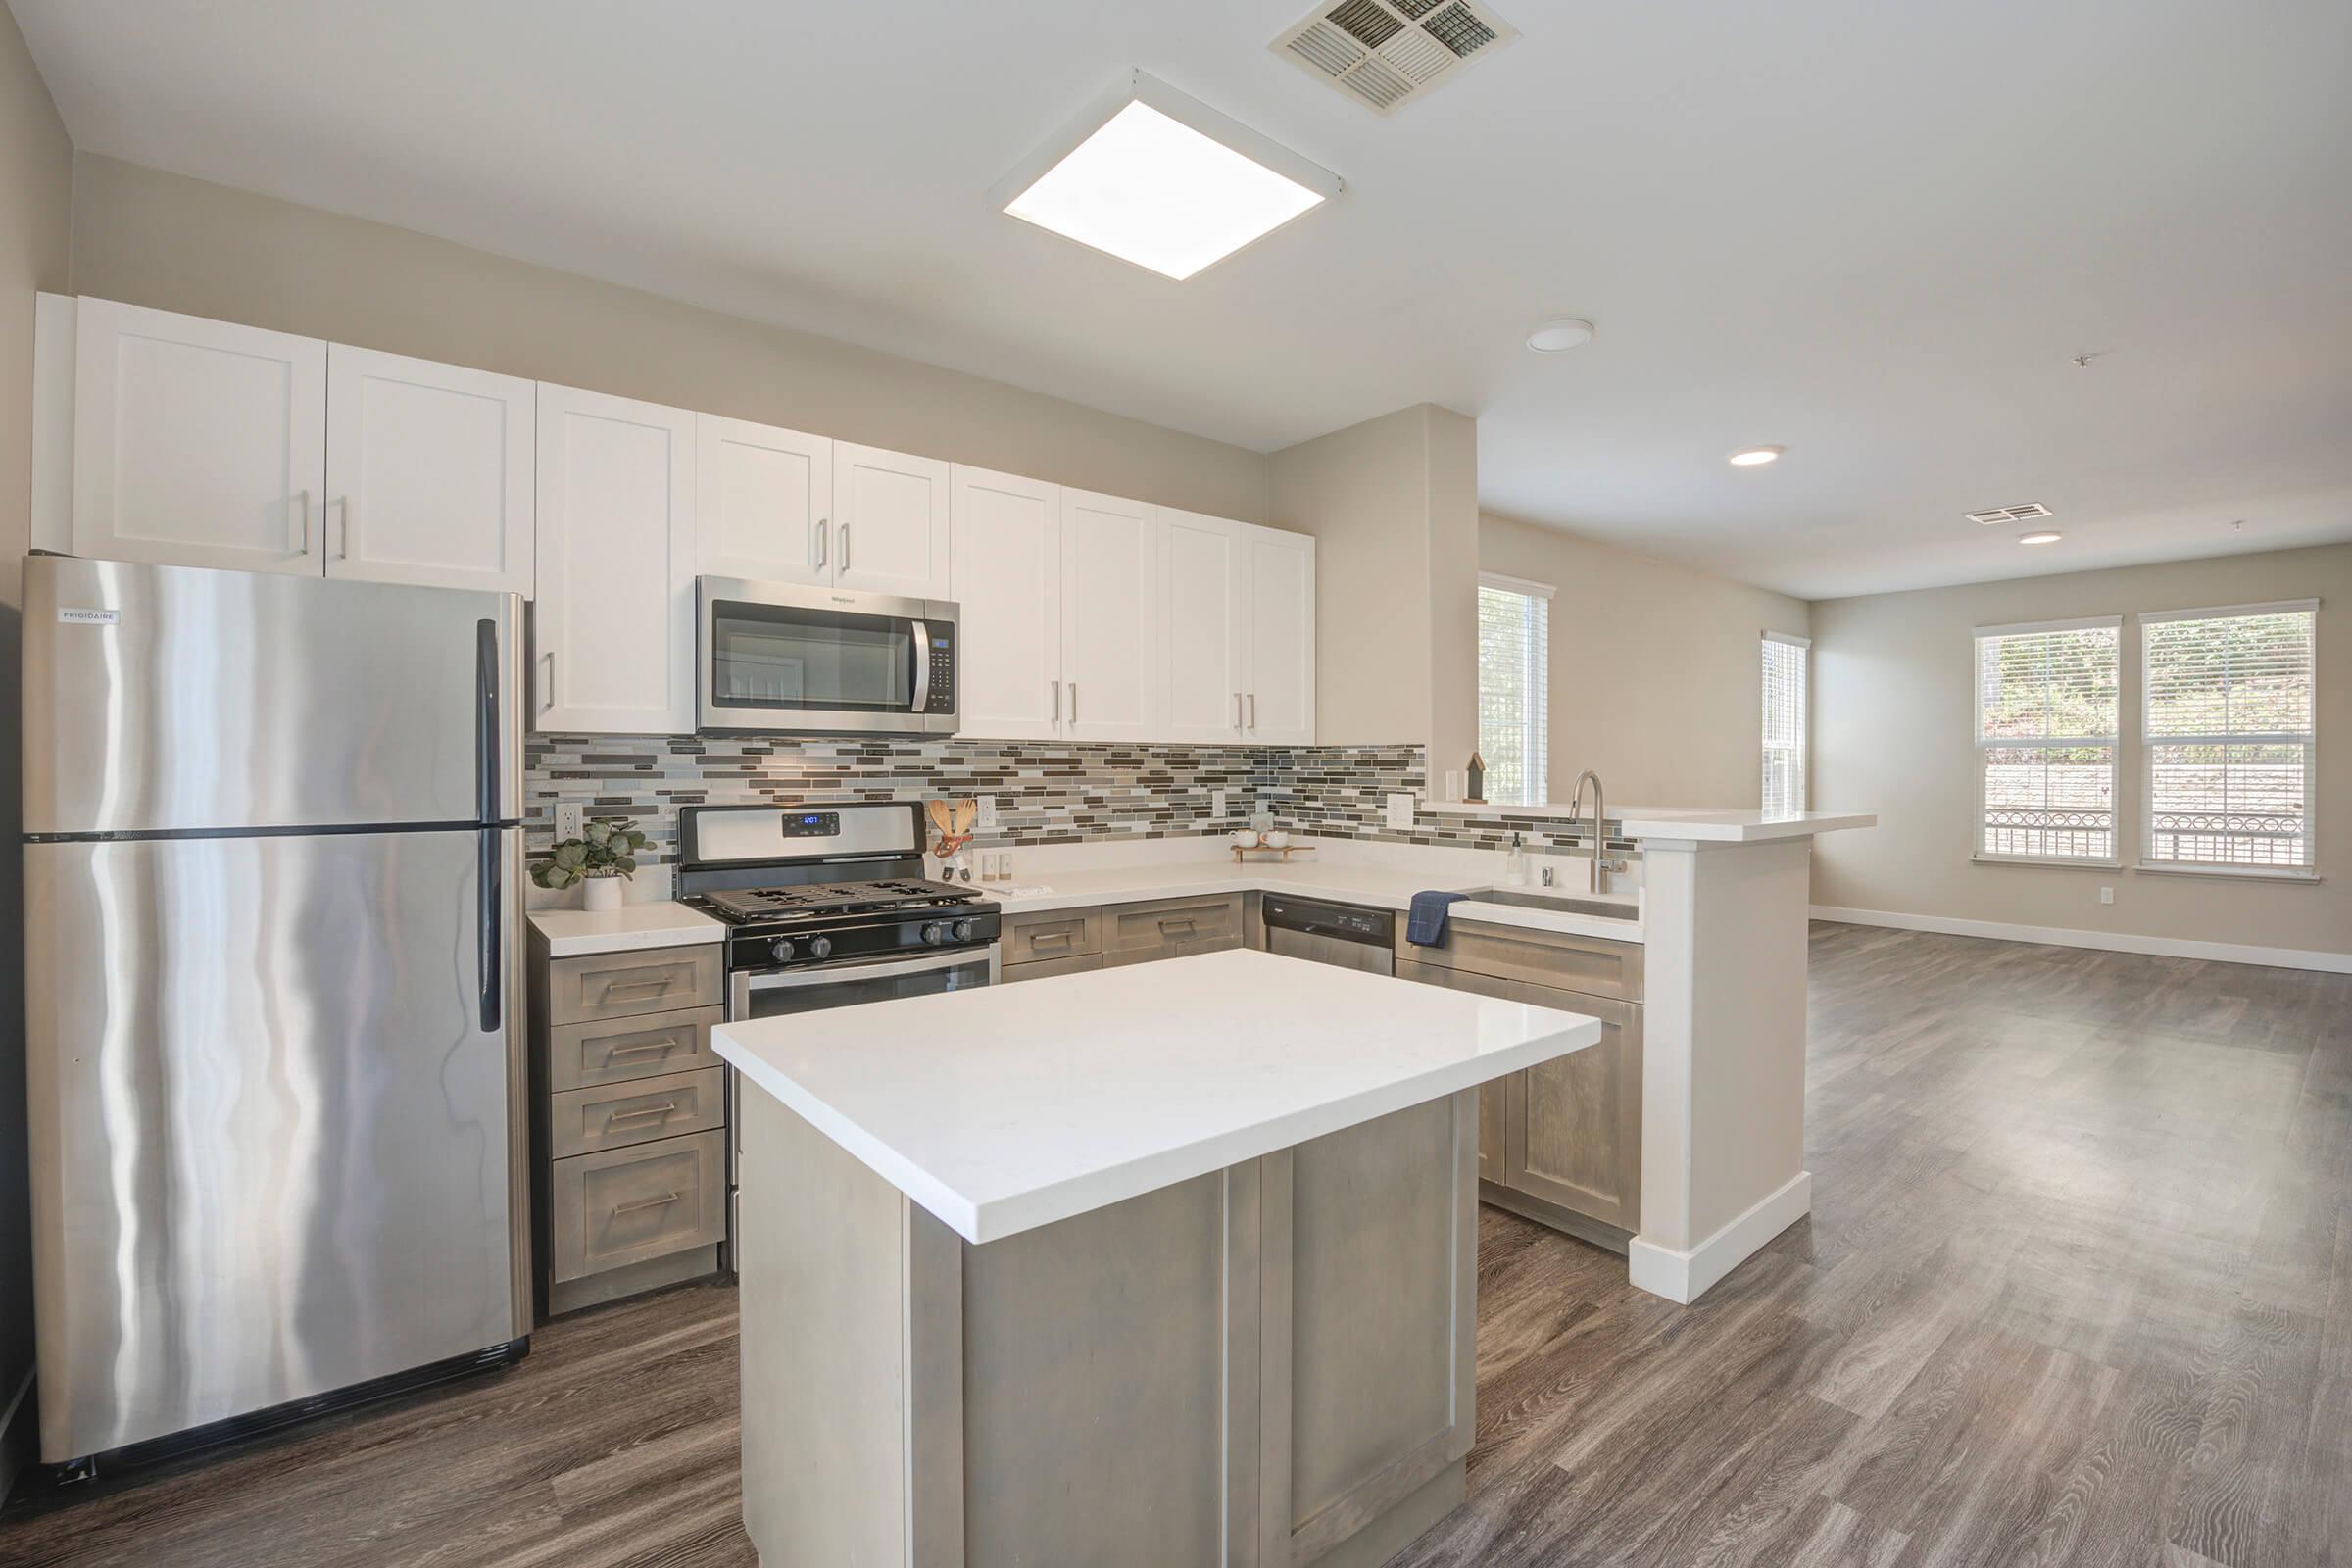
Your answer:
<point x="1008" y="1107"/>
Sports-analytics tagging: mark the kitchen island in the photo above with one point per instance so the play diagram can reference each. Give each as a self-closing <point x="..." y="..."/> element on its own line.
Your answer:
<point x="1167" y="1264"/>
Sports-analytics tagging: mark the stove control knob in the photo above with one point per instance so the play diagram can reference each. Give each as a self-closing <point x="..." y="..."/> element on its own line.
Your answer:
<point x="820" y="947"/>
<point x="934" y="934"/>
<point x="964" y="930"/>
<point x="782" y="948"/>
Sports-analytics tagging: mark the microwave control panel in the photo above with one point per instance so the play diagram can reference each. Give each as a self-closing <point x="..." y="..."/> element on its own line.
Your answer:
<point x="942" y="695"/>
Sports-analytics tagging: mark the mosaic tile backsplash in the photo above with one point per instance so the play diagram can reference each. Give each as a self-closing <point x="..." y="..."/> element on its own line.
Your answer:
<point x="1047" y="792"/>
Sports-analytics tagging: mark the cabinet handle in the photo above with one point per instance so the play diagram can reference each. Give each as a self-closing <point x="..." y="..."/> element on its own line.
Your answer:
<point x="1056" y="702"/>
<point x="1253" y="710"/>
<point x="304" y="548"/>
<point x="820" y="544"/>
<point x="1061" y="939"/>
<point x="1073" y="702"/>
<point x="619" y="1209"/>
<point x="657" y="1048"/>
<point x="650" y="1114"/>
<point x="1167" y="927"/>
<point x="648" y="987"/>
<point x="547" y="696"/>
<point x="845" y="547"/>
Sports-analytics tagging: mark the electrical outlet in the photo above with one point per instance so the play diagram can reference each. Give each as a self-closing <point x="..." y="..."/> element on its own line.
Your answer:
<point x="1216" y="804"/>
<point x="571" y="819"/>
<point x="2106" y="894"/>
<point x="1400" y="812"/>
<point x="988" y="814"/>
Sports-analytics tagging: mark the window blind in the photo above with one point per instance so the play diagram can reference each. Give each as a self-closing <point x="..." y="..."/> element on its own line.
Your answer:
<point x="1514" y="704"/>
<point x="2046" y="710"/>
<point x="1784" y="660"/>
<point x="2227" y="735"/>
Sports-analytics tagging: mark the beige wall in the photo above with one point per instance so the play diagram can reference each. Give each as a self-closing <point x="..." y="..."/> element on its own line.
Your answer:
<point x="1393" y="503"/>
<point x="147" y="237"/>
<point x="1656" y="670"/>
<point x="1894" y="733"/>
<point x="37" y="165"/>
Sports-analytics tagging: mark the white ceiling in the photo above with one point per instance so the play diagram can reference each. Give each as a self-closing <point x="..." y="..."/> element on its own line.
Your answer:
<point x="1874" y="232"/>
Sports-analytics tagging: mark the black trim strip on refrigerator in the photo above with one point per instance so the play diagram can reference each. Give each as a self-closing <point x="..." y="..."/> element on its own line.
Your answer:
<point x="322" y="830"/>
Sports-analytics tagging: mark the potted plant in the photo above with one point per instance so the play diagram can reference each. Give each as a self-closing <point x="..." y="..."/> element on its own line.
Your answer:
<point x="597" y="862"/>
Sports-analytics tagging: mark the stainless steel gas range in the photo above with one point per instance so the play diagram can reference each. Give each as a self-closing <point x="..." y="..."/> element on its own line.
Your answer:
<point x="827" y="905"/>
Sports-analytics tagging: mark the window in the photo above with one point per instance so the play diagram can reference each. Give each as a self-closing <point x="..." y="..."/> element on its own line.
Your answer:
<point x="2227" y="733"/>
<point x="1514" y="651"/>
<point x="1784" y="659"/>
<point x="2045" y="741"/>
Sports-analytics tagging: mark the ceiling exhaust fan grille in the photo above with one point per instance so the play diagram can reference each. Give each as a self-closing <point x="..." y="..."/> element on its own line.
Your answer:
<point x="2024" y="514"/>
<point x="1384" y="53"/>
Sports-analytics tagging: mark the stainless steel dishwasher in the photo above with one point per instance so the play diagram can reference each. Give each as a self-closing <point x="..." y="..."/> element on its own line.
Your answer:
<point x="1345" y="934"/>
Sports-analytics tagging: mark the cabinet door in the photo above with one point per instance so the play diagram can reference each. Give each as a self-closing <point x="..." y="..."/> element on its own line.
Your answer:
<point x="890" y="530"/>
<point x="1113" y="620"/>
<point x="613" y="623"/>
<point x="1207" y="594"/>
<point x="197" y="443"/>
<point x="1576" y="1121"/>
<point x="429" y="473"/>
<point x="764" y="501"/>
<point x="1006" y="550"/>
<point x="1281" y="636"/>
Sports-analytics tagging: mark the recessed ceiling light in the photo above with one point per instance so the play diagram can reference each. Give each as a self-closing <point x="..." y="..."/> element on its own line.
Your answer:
<point x="2045" y="537"/>
<point x="1163" y="181"/>
<point x="1555" y="337"/>
<point x="1756" y="457"/>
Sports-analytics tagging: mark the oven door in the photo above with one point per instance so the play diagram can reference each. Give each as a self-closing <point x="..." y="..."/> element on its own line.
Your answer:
<point x="752" y="994"/>
<point x="782" y="657"/>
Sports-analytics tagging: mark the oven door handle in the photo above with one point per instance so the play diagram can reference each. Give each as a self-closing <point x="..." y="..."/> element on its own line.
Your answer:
<point x="923" y="667"/>
<point x="795" y="979"/>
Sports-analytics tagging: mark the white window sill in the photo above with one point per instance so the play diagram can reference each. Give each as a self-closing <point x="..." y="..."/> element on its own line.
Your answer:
<point x="2047" y="862"/>
<point x="2232" y="873"/>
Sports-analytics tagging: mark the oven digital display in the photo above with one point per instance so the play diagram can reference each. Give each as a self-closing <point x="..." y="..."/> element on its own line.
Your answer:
<point x="812" y="824"/>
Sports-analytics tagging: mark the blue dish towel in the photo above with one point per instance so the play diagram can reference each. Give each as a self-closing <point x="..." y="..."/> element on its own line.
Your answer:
<point x="1426" y="924"/>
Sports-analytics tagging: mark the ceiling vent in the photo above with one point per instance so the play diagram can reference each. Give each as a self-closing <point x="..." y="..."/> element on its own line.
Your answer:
<point x="1385" y="52"/>
<point x="2024" y="514"/>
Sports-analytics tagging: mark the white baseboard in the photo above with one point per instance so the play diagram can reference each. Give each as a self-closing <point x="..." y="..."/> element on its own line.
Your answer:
<point x="1684" y="1277"/>
<point x="16" y="1445"/>
<point x="2058" y="936"/>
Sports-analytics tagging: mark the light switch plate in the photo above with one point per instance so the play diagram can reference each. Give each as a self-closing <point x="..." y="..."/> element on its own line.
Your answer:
<point x="2106" y="894"/>
<point x="1400" y="812"/>
<point x="1216" y="804"/>
<point x="570" y="819"/>
<point x="988" y="814"/>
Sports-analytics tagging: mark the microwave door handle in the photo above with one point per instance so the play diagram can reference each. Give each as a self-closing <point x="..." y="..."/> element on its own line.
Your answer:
<point x="923" y="667"/>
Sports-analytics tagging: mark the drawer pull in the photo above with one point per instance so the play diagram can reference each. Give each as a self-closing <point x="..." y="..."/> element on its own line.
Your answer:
<point x="1170" y="926"/>
<point x="654" y="1047"/>
<point x="1062" y="937"/>
<point x="642" y="1204"/>
<point x="650" y="1114"/>
<point x="649" y="987"/>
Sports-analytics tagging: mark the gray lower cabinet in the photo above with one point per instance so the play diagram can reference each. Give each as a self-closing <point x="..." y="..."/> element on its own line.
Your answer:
<point x="1560" y="1143"/>
<point x="1170" y="928"/>
<point x="1049" y="942"/>
<point x="629" y="1124"/>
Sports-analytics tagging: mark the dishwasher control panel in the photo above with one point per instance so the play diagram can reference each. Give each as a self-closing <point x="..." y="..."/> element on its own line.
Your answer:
<point x="1330" y="919"/>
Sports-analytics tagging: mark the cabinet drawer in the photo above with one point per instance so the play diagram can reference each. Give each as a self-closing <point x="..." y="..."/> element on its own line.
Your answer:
<point x="581" y="1056"/>
<point x="625" y="1205"/>
<point x="621" y="985"/>
<point x="1170" y="928"/>
<point x="1593" y="965"/>
<point x="581" y="1121"/>
<point x="1053" y="934"/>
<point x="1048" y="968"/>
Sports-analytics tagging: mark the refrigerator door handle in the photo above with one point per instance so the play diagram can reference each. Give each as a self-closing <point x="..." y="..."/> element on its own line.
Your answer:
<point x="485" y="718"/>
<point x="490" y="878"/>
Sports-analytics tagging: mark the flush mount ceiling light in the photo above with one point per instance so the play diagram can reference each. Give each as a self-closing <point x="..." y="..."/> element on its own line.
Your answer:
<point x="1756" y="457"/>
<point x="1559" y="337"/>
<point x="2047" y="536"/>
<point x="1154" y="178"/>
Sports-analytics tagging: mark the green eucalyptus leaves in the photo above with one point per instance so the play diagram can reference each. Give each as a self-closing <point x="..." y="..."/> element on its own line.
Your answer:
<point x="609" y="848"/>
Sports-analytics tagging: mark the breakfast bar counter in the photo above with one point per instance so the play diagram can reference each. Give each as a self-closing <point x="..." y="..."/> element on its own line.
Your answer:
<point x="1174" y="1263"/>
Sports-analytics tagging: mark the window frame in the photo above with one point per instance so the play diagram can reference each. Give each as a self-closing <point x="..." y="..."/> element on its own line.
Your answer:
<point x="1538" y="722"/>
<point x="2309" y="740"/>
<point x="1979" y="744"/>
<point x="1802" y="769"/>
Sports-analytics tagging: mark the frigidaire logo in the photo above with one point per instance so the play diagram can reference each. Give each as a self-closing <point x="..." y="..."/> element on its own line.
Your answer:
<point x="88" y="617"/>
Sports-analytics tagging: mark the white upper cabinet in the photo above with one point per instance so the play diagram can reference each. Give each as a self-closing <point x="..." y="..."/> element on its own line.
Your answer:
<point x="197" y="443"/>
<point x="1006" y="551"/>
<point x="613" y="635"/>
<point x="1114" y="621"/>
<point x="764" y="499"/>
<point x="1207" y="598"/>
<point x="890" y="522"/>
<point x="429" y="473"/>
<point x="1280" y="693"/>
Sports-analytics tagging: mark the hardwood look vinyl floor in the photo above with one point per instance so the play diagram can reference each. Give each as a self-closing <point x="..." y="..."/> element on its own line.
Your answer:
<point x="2077" y="1289"/>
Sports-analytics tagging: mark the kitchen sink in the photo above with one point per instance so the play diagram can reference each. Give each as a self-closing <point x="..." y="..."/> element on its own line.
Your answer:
<point x="1560" y="903"/>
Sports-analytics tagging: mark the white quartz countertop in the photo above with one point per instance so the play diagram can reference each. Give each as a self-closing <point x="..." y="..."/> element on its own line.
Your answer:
<point x="1376" y="887"/>
<point x="1007" y="1107"/>
<point x="571" y="933"/>
<point x="1740" y="827"/>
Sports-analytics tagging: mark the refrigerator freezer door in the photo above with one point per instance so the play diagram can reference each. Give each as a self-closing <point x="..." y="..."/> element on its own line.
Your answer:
<point x="162" y="699"/>
<point x="275" y="1151"/>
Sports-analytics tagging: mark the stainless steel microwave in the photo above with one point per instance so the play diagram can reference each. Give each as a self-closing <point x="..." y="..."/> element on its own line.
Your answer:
<point x="781" y="657"/>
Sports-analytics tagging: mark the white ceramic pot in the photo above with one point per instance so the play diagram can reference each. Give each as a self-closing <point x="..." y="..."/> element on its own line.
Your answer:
<point x="1276" y="839"/>
<point x="601" y="895"/>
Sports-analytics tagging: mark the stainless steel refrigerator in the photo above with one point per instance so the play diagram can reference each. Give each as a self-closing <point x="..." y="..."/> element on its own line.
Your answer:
<point x="271" y="895"/>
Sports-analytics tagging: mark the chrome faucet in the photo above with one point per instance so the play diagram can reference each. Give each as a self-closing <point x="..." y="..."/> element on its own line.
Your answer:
<point x="1598" y="811"/>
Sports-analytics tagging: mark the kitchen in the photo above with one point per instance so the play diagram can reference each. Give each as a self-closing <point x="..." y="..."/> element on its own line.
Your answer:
<point x="598" y="862"/>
